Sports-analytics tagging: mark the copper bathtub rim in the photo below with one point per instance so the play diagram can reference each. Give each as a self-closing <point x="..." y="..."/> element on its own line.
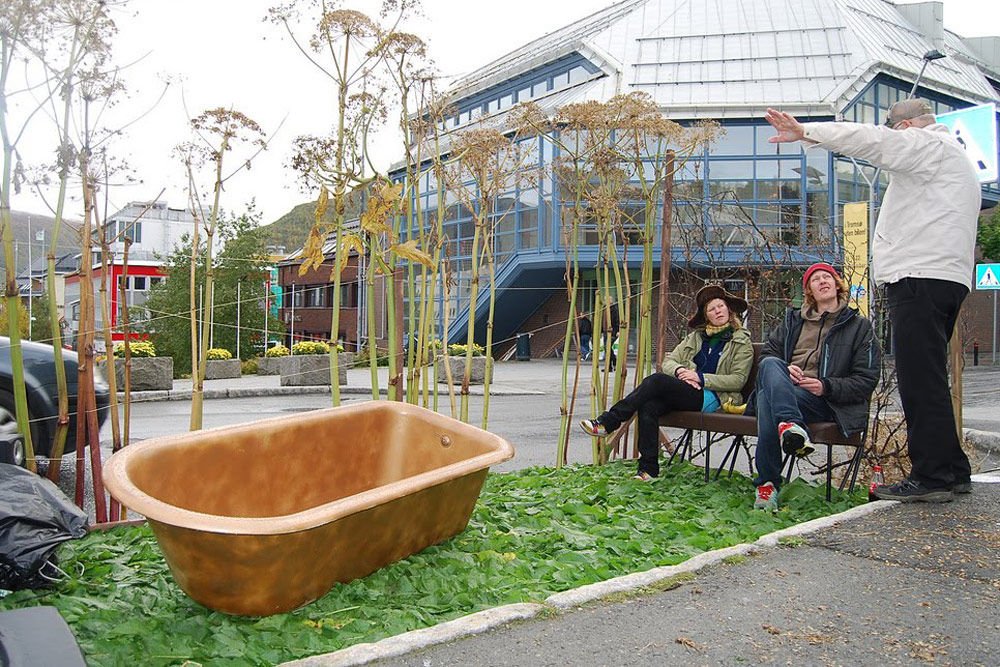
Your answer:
<point x="120" y="486"/>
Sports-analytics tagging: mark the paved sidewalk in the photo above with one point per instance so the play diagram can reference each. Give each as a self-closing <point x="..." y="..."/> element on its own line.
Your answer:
<point x="900" y="584"/>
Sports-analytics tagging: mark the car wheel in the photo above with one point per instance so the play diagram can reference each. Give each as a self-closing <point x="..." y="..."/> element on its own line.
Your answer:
<point x="8" y="428"/>
<point x="12" y="450"/>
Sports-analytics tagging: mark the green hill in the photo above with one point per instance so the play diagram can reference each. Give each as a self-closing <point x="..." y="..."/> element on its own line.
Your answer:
<point x="292" y="229"/>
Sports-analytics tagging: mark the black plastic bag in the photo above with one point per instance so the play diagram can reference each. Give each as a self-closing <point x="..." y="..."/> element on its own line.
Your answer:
<point x="35" y="518"/>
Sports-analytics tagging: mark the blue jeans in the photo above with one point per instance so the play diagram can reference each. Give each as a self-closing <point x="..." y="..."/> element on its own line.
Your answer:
<point x="780" y="400"/>
<point x="585" y="345"/>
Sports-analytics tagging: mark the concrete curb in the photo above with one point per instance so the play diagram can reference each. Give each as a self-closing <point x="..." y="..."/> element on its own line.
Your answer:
<point x="985" y="440"/>
<point x="257" y="392"/>
<point x="393" y="647"/>
<point x="632" y="582"/>
<point x="479" y="622"/>
<point x="809" y="527"/>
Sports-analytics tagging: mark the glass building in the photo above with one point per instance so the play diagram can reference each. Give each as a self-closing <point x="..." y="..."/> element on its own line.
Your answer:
<point x="817" y="59"/>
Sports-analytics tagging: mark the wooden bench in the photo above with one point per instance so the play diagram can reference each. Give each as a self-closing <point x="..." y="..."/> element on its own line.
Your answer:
<point x="721" y="426"/>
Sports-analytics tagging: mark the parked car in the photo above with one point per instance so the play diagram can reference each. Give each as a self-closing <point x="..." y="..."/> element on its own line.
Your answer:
<point x="43" y="398"/>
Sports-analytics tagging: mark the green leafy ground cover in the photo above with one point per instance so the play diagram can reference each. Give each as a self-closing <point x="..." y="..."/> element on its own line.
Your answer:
<point x="533" y="533"/>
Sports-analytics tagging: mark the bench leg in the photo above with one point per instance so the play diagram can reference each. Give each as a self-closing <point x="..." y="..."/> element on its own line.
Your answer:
<point x="853" y="469"/>
<point x="789" y="461"/>
<point x="829" y="471"/>
<point x="683" y="446"/>
<point x="708" y="455"/>
<point x="731" y="454"/>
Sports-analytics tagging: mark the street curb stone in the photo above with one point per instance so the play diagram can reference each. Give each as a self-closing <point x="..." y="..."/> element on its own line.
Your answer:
<point x="480" y="622"/>
<point x="636" y="580"/>
<point x="986" y="440"/>
<point x="257" y="392"/>
<point x="392" y="647"/>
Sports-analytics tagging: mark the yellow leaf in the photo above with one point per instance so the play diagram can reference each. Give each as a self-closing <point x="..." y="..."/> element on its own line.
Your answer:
<point x="347" y="244"/>
<point x="322" y="203"/>
<point x="410" y="251"/>
<point x="375" y="219"/>
<point x="312" y="251"/>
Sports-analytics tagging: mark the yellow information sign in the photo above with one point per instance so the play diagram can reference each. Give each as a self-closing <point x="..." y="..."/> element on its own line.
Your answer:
<point x="856" y="253"/>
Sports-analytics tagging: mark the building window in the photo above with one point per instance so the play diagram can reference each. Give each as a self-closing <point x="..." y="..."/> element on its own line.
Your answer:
<point x="118" y="230"/>
<point x="313" y="297"/>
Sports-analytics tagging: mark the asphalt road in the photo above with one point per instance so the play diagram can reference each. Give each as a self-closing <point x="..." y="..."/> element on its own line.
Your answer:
<point x="526" y="412"/>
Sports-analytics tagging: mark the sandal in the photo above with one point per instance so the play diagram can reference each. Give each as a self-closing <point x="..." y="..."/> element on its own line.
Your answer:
<point x="643" y="477"/>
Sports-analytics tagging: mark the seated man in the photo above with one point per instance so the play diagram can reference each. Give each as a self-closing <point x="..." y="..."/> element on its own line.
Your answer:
<point x="820" y="364"/>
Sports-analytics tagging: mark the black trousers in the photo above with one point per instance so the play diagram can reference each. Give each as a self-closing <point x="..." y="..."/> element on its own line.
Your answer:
<point x="923" y="313"/>
<point x="655" y="396"/>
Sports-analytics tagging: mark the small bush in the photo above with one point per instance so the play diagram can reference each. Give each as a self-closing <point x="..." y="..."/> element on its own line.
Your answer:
<point x="459" y="350"/>
<point x="277" y="351"/>
<point x="219" y="354"/>
<point x="139" y="348"/>
<point x="249" y="367"/>
<point x="310" y="347"/>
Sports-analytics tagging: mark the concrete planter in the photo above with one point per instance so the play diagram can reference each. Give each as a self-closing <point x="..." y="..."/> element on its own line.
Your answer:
<point x="147" y="373"/>
<point x="312" y="369"/>
<point x="477" y="375"/>
<point x="222" y="369"/>
<point x="269" y="365"/>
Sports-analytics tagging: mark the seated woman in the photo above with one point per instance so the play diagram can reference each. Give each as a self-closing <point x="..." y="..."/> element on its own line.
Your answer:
<point x="707" y="368"/>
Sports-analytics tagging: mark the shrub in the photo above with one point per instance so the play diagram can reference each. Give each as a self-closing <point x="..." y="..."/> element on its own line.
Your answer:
<point x="219" y="354"/>
<point x="249" y="367"/>
<point x="310" y="347"/>
<point x="459" y="350"/>
<point x="139" y="348"/>
<point x="277" y="351"/>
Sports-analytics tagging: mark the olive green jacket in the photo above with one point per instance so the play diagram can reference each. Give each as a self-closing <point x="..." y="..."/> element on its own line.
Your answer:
<point x="734" y="363"/>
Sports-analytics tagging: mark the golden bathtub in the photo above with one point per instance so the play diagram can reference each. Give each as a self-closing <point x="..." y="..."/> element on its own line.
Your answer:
<point x="264" y="517"/>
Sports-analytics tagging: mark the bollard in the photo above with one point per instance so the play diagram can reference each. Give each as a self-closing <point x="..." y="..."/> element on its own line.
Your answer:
<point x="975" y="353"/>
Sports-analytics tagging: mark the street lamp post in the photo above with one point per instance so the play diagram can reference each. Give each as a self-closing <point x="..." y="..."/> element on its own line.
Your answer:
<point x="933" y="54"/>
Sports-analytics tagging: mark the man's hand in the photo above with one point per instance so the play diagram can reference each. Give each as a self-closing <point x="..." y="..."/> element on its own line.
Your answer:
<point x="795" y="373"/>
<point x="812" y="385"/>
<point x="788" y="128"/>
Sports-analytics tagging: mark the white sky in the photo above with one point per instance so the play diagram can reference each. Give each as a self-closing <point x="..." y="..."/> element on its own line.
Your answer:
<point x="224" y="54"/>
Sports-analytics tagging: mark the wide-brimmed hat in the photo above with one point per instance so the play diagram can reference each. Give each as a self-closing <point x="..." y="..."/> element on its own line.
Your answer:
<point x="706" y="294"/>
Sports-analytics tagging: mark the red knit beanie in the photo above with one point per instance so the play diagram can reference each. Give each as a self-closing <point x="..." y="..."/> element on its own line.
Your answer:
<point x="819" y="266"/>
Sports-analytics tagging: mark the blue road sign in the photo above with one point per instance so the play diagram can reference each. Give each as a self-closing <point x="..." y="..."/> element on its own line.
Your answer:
<point x="988" y="276"/>
<point x="976" y="129"/>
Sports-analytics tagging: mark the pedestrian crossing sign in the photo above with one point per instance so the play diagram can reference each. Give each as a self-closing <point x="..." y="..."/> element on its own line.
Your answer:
<point x="976" y="129"/>
<point x="988" y="276"/>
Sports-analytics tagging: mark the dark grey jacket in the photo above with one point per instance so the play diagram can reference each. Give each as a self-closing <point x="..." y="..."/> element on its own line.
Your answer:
<point x="848" y="365"/>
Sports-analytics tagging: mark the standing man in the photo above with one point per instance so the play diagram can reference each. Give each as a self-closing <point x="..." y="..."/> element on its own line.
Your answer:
<point x="586" y="334"/>
<point x="923" y="253"/>
<point x="820" y="364"/>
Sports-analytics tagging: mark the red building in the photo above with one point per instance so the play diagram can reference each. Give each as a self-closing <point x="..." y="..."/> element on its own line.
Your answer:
<point x="141" y="277"/>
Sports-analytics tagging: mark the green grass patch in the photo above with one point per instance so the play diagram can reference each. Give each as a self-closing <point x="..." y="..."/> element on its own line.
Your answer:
<point x="533" y="533"/>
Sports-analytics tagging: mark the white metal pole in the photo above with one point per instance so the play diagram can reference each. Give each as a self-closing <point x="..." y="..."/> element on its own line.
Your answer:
<point x="200" y="314"/>
<point x="238" y="285"/>
<point x="31" y="285"/>
<point x="211" y="321"/>
<point x="293" y="314"/>
<point x="267" y="309"/>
